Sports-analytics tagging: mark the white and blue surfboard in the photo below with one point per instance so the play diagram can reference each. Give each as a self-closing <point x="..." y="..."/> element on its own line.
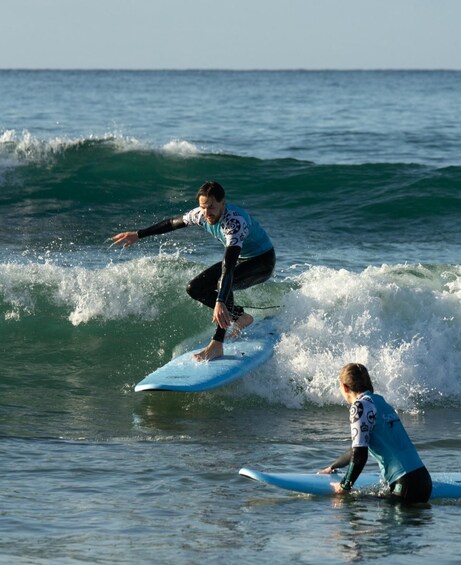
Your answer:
<point x="241" y="356"/>
<point x="444" y="485"/>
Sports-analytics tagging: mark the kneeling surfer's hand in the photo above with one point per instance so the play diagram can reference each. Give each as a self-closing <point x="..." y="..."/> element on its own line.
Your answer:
<point x="338" y="488"/>
<point x="326" y="471"/>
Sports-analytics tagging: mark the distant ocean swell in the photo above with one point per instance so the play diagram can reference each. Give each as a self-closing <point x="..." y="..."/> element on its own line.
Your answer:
<point x="117" y="171"/>
<point x="403" y="321"/>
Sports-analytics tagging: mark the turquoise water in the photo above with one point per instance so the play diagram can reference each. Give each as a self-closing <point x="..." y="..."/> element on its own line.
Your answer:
<point x="356" y="176"/>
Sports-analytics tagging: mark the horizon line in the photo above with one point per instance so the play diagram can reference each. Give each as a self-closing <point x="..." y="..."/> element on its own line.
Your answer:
<point x="230" y="70"/>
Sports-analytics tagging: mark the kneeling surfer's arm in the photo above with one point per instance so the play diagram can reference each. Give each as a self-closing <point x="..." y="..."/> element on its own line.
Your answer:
<point x="357" y="462"/>
<point x="342" y="461"/>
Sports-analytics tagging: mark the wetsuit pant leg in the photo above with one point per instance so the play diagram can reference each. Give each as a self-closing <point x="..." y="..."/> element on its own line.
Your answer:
<point x="413" y="487"/>
<point x="247" y="273"/>
<point x="250" y="272"/>
<point x="203" y="286"/>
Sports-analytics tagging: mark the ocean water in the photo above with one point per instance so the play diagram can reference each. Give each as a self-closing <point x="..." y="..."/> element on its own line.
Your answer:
<point x="357" y="178"/>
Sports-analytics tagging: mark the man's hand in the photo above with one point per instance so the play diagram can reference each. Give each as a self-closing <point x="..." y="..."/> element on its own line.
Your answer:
<point x="126" y="238"/>
<point x="221" y="315"/>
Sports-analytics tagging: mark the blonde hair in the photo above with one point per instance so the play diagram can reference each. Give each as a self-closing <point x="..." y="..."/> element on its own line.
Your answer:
<point x="356" y="377"/>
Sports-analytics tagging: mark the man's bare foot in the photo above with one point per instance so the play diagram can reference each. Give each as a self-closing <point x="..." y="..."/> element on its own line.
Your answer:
<point x="213" y="350"/>
<point x="240" y="324"/>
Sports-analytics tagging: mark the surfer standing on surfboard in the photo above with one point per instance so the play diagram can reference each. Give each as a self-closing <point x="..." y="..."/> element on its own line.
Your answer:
<point x="375" y="426"/>
<point x="249" y="259"/>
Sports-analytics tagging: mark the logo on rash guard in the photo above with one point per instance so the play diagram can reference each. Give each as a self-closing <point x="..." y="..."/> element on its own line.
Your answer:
<point x="356" y="411"/>
<point x="233" y="226"/>
<point x="354" y="433"/>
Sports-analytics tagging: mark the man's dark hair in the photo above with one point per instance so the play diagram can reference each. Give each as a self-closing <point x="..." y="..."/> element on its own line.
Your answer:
<point x="211" y="188"/>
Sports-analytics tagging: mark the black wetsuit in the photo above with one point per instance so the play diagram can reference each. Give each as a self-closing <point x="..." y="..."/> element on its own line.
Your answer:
<point x="249" y="257"/>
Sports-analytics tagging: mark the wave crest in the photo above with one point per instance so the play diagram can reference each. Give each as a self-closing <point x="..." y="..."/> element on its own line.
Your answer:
<point x="401" y="321"/>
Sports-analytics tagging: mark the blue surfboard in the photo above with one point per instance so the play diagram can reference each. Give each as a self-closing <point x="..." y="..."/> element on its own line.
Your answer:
<point x="444" y="485"/>
<point x="185" y="374"/>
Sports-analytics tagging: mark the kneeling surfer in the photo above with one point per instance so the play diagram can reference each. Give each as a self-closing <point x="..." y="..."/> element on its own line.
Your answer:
<point x="376" y="427"/>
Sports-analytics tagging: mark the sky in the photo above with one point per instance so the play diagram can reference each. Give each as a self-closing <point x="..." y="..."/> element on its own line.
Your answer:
<point x="230" y="34"/>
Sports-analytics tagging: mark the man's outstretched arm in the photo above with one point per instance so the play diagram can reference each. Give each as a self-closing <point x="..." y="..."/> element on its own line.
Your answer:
<point x="127" y="238"/>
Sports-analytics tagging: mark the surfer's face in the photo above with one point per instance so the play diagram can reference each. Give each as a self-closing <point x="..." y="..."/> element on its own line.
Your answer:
<point x="211" y="208"/>
<point x="347" y="393"/>
<point x="343" y="391"/>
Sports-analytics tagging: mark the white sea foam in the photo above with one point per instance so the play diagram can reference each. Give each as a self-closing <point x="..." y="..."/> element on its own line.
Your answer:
<point x="25" y="147"/>
<point x="181" y="148"/>
<point x="118" y="291"/>
<point x="402" y="322"/>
